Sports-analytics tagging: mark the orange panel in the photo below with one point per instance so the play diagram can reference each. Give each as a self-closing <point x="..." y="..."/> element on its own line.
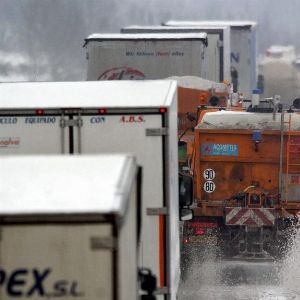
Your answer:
<point x="237" y="164"/>
<point x="189" y="100"/>
<point x="161" y="252"/>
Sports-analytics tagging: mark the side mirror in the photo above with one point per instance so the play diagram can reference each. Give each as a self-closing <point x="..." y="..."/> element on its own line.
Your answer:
<point x="214" y="100"/>
<point x="186" y="214"/>
<point x="182" y="151"/>
<point x="181" y="144"/>
<point x="185" y="190"/>
<point x="296" y="103"/>
<point x="148" y="282"/>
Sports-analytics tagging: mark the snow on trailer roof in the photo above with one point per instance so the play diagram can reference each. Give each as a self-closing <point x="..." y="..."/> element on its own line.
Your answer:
<point x="146" y="36"/>
<point x="193" y="82"/>
<point x="64" y="184"/>
<point x="247" y="120"/>
<point x="87" y="94"/>
<point x="211" y="23"/>
<point x="139" y="28"/>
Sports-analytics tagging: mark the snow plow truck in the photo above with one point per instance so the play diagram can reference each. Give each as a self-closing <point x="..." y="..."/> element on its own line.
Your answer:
<point x="245" y="166"/>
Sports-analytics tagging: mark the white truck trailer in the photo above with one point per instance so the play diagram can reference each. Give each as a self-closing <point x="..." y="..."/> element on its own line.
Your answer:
<point x="138" y="117"/>
<point x="68" y="227"/>
<point x="243" y="51"/>
<point x="217" y="54"/>
<point x="145" y="56"/>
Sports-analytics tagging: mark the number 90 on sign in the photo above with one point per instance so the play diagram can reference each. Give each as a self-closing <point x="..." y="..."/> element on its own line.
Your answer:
<point x="209" y="186"/>
<point x="209" y="174"/>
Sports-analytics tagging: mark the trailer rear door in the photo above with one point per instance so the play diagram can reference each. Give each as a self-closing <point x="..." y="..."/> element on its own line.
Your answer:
<point x="28" y="133"/>
<point x="213" y="60"/>
<point x="55" y="261"/>
<point x="146" y="56"/>
<point x="117" y="132"/>
<point x="68" y="227"/>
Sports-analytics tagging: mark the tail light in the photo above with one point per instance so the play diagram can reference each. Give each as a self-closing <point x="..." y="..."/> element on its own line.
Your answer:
<point x="102" y="111"/>
<point x="199" y="231"/>
<point x="201" y="228"/>
<point x="185" y="240"/>
<point x="39" y="112"/>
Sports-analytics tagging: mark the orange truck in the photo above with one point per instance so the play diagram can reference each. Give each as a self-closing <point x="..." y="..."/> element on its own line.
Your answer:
<point x="245" y="166"/>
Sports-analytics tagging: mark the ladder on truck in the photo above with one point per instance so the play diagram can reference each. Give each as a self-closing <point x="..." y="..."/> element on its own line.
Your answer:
<point x="292" y="160"/>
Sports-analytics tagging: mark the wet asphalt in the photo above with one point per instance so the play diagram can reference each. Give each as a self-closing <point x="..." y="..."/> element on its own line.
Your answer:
<point x="210" y="277"/>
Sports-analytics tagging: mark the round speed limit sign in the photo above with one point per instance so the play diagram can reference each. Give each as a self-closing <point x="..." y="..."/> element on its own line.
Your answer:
<point x="209" y="186"/>
<point x="209" y="174"/>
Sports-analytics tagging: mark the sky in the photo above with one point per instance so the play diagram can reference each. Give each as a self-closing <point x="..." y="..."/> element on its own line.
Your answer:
<point x="42" y="39"/>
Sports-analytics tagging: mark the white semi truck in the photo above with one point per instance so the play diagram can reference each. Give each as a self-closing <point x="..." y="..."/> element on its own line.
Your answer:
<point x="68" y="227"/>
<point x="138" y="117"/>
<point x="145" y="56"/>
<point x="217" y="55"/>
<point x="243" y="51"/>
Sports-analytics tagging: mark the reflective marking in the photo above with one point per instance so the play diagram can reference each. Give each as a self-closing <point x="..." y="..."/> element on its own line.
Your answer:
<point x="250" y="216"/>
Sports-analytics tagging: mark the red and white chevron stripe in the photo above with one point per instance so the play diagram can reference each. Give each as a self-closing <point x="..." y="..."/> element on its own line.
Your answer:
<point x="250" y="216"/>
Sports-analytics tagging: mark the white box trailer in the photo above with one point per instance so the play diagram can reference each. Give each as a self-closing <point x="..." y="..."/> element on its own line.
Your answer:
<point x="145" y="56"/>
<point x="68" y="227"/>
<point x="243" y="51"/>
<point x="138" y="117"/>
<point x="217" y="54"/>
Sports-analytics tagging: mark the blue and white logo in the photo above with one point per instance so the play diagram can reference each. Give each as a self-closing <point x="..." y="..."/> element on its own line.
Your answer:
<point x="219" y="150"/>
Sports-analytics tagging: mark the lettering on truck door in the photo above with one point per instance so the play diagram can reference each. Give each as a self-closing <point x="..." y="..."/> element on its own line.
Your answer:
<point x="31" y="134"/>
